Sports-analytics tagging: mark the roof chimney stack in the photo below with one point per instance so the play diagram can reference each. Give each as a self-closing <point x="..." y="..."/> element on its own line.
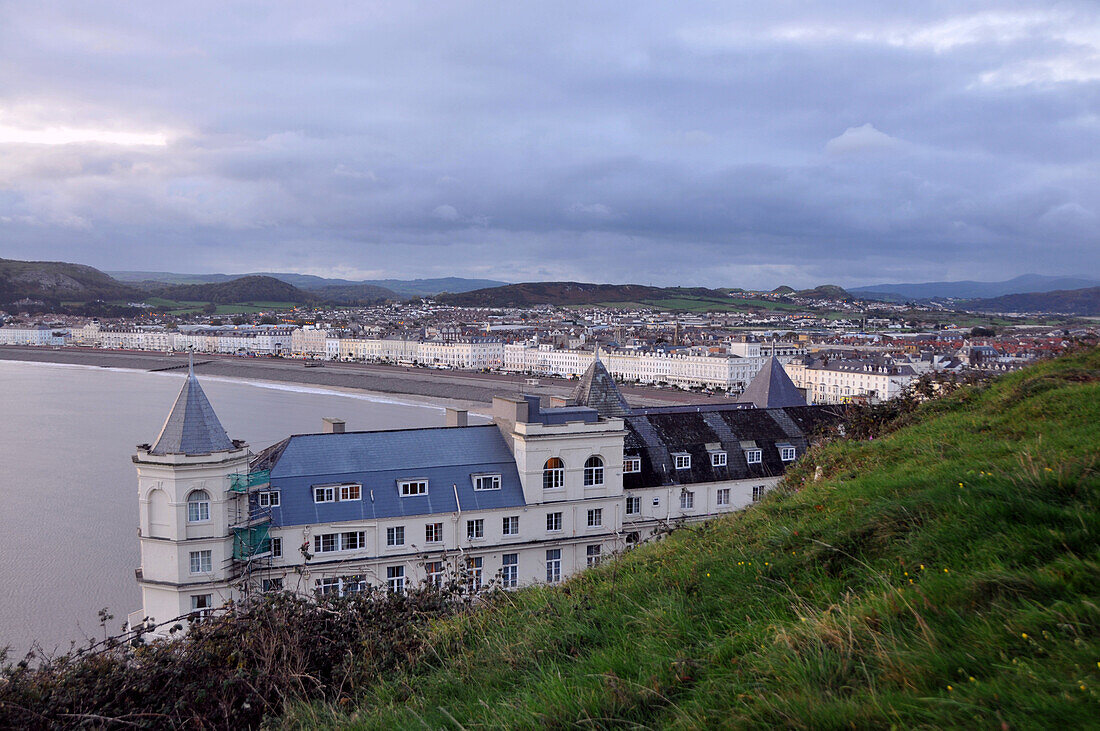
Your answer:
<point x="457" y="417"/>
<point x="332" y="425"/>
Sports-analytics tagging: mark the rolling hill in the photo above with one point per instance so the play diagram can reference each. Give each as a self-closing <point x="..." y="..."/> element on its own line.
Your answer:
<point x="971" y="289"/>
<point x="395" y="288"/>
<point x="243" y="289"/>
<point x="573" y="293"/>
<point x="1084" y="302"/>
<point x="56" y="281"/>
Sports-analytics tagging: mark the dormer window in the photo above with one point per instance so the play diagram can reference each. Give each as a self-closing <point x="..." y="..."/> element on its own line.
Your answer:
<point x="786" y="453"/>
<point x="683" y="461"/>
<point x="754" y="456"/>
<point x="717" y="459"/>
<point x="632" y="465"/>
<point x="412" y="488"/>
<point x="486" y="482"/>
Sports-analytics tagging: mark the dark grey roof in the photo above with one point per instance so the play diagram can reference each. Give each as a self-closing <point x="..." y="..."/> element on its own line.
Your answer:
<point x="597" y="390"/>
<point x="772" y="388"/>
<point x="192" y="427"/>
<point x="655" y="435"/>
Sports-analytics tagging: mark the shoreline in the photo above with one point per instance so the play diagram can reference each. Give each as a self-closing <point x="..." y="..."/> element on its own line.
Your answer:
<point x="442" y="389"/>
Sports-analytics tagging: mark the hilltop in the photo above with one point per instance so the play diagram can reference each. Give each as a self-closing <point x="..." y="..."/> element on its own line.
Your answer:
<point x="244" y="289"/>
<point x="57" y="281"/>
<point x="942" y="575"/>
<point x="385" y="288"/>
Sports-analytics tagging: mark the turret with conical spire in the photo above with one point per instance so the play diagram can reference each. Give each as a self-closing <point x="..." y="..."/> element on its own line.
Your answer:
<point x="192" y="427"/>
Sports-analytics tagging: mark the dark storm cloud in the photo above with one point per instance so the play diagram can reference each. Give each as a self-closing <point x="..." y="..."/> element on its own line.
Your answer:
<point x="701" y="144"/>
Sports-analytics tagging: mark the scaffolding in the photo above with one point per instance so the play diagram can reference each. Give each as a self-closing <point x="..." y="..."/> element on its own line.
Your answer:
<point x="250" y="524"/>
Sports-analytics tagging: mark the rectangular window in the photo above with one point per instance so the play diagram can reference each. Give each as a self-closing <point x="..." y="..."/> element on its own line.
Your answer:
<point x="271" y="584"/>
<point x="753" y="456"/>
<point x="201" y="562"/>
<point x="475" y="529"/>
<point x="268" y="499"/>
<point x="786" y="454"/>
<point x="683" y="461"/>
<point x="395" y="579"/>
<point x="354" y="540"/>
<point x="632" y="465"/>
<point x="434" y="572"/>
<point x="595" y="518"/>
<point x="593" y="555"/>
<point x="758" y="492"/>
<point x="511" y="525"/>
<point x="410" y="488"/>
<point x="326" y="543"/>
<point x="509" y="571"/>
<point x="687" y="500"/>
<point x="327" y="585"/>
<point x="486" y="482"/>
<point x="433" y="533"/>
<point x="633" y="505"/>
<point x="474" y="565"/>
<point x="553" y="566"/>
<point x="717" y="459"/>
<point x="553" y="522"/>
<point x="324" y="494"/>
<point x="276" y="547"/>
<point x="723" y="496"/>
<point x="352" y="585"/>
<point x="200" y="602"/>
<point x="395" y="535"/>
<point x="351" y="492"/>
<point x="198" y="511"/>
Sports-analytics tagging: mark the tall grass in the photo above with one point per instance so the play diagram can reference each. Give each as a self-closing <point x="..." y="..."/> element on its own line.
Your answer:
<point x="944" y="575"/>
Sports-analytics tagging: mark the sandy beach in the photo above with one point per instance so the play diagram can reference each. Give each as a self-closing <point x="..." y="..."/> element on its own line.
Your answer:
<point x="460" y="389"/>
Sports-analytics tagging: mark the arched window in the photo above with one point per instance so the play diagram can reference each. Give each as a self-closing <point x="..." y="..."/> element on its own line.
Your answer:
<point x="198" y="507"/>
<point x="593" y="471"/>
<point x="553" y="474"/>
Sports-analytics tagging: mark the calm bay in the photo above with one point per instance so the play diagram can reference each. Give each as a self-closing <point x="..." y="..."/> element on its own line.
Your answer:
<point x="68" y="525"/>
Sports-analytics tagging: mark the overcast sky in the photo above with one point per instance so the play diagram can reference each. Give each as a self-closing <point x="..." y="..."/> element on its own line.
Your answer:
<point x="739" y="144"/>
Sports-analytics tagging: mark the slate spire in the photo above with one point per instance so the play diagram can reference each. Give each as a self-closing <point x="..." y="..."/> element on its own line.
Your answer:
<point x="192" y="426"/>
<point x="597" y="390"/>
<point x="772" y="388"/>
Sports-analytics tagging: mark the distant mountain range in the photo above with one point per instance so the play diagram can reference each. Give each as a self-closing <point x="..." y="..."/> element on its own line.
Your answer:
<point x="1083" y="302"/>
<point x="345" y="290"/>
<point x="1027" y="283"/>
<point x="583" y="293"/>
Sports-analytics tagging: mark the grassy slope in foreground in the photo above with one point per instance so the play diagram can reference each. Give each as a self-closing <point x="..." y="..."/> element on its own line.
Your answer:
<point x="945" y="575"/>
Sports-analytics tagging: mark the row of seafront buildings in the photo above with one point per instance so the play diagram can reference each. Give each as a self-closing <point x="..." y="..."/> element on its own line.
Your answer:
<point x="729" y="368"/>
<point x="534" y="496"/>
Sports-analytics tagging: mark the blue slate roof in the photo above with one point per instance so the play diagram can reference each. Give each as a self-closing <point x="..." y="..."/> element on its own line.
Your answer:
<point x="192" y="427"/>
<point x="447" y="457"/>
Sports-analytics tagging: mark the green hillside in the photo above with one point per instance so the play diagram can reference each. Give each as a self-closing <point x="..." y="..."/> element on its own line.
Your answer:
<point x="944" y="575"/>
<point x="58" y="281"/>
<point x="243" y="289"/>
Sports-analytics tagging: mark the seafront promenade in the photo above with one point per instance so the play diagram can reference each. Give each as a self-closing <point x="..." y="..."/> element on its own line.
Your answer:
<point x="471" y="390"/>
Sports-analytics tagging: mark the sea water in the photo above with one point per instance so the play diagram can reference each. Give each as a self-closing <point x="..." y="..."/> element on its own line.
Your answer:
<point x="68" y="488"/>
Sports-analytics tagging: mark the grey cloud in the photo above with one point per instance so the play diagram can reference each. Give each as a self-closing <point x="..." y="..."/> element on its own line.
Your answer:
<point x="702" y="144"/>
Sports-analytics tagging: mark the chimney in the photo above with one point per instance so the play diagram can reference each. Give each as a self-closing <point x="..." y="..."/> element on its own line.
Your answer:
<point x="456" y="417"/>
<point x="332" y="425"/>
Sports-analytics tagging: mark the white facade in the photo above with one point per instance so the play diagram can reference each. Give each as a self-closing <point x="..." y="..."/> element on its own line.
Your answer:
<point x="32" y="335"/>
<point x="825" y="385"/>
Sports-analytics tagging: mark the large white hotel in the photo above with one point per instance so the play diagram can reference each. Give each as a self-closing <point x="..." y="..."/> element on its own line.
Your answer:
<point x="534" y="496"/>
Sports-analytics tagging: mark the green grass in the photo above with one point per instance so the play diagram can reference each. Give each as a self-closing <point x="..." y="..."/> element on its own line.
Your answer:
<point x="945" y="575"/>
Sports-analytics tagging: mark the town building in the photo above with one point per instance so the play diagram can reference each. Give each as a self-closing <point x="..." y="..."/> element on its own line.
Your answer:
<point x="535" y="496"/>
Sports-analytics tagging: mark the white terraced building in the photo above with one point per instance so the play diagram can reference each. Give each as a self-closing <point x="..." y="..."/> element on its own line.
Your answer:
<point x="533" y="497"/>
